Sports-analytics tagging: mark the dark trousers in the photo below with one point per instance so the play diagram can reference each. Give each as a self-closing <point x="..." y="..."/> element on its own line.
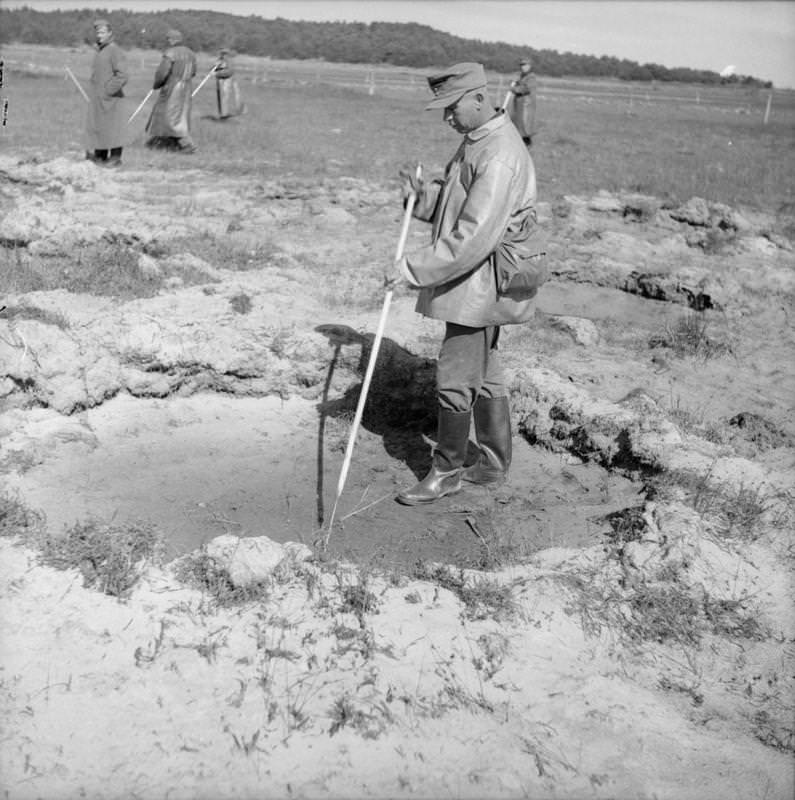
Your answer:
<point x="469" y="367"/>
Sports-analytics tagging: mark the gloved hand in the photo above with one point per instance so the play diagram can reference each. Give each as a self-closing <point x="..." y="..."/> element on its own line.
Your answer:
<point x="410" y="183"/>
<point x="396" y="277"/>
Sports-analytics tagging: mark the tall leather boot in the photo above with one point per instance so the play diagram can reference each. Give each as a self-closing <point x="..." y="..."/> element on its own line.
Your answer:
<point x="493" y="432"/>
<point x="448" y="459"/>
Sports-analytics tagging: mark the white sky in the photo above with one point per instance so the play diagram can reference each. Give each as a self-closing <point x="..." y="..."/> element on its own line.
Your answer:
<point x="757" y="37"/>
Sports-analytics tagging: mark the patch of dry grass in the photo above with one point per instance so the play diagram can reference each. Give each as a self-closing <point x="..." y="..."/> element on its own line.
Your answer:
<point x="737" y="513"/>
<point x="661" y="607"/>
<point x="200" y="570"/>
<point x="111" y="558"/>
<point x="688" y="336"/>
<point x="483" y="597"/>
<point x="17" y="519"/>
<point x="26" y="311"/>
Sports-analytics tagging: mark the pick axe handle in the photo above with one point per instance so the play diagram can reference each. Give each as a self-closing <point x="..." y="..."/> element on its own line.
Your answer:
<point x="368" y="375"/>
<point x="143" y="103"/>
<point x="77" y="83"/>
<point x="507" y="99"/>
<point x="205" y="79"/>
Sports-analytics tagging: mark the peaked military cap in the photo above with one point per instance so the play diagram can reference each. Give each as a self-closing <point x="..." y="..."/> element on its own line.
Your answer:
<point x="452" y="84"/>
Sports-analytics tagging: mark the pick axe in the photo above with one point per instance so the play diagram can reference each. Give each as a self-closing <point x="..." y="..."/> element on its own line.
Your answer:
<point x="368" y="375"/>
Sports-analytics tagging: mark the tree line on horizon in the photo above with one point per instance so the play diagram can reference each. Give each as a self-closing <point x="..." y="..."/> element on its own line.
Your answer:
<point x="403" y="44"/>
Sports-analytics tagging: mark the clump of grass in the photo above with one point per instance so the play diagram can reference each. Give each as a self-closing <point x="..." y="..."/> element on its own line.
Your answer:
<point x="736" y="512"/>
<point x="226" y="252"/>
<point x="17" y="519"/>
<point x="659" y="608"/>
<point x="687" y="336"/>
<point x="359" y="600"/>
<point x="483" y="598"/>
<point x="661" y="612"/>
<point x="202" y="571"/>
<point x="280" y="340"/>
<point x="694" y="421"/>
<point x="241" y="303"/>
<point x="369" y="724"/>
<point x="110" y="557"/>
<point x="714" y="241"/>
<point x="769" y="732"/>
<point x="627" y="525"/>
<point x="25" y="311"/>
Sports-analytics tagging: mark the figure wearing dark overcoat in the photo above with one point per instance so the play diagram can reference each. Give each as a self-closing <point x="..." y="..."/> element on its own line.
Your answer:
<point x="105" y="126"/>
<point x="170" y="118"/>
<point x="227" y="91"/>
<point x="523" y="108"/>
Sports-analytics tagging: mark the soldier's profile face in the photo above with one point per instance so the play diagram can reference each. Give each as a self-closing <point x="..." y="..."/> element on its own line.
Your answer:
<point x="463" y="114"/>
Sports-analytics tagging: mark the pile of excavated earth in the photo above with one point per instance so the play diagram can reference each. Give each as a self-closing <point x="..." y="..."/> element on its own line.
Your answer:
<point x="614" y="621"/>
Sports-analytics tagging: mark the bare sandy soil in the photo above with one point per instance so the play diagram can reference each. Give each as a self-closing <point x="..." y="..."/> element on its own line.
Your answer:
<point x="618" y="622"/>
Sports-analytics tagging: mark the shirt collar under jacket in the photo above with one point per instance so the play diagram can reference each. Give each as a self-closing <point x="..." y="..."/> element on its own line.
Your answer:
<point x="486" y="128"/>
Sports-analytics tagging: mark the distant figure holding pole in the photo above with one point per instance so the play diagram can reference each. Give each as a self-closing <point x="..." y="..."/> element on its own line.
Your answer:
<point x="227" y="91"/>
<point x="105" y="127"/>
<point x="523" y="108"/>
<point x="169" y="122"/>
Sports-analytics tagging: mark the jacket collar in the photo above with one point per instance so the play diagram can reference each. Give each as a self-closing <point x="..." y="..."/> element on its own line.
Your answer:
<point x="497" y="121"/>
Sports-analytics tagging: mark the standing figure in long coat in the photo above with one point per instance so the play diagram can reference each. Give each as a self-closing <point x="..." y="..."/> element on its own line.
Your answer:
<point x="169" y="122"/>
<point x="227" y="91"/>
<point x="523" y="108"/>
<point x="105" y="117"/>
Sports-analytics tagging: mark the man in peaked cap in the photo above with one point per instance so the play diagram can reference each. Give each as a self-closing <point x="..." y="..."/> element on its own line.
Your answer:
<point x="523" y="107"/>
<point x="486" y="198"/>
<point x="105" y="126"/>
<point x="169" y="122"/>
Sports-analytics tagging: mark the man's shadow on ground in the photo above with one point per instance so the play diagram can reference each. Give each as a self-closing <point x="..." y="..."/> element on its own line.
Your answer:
<point x="401" y="404"/>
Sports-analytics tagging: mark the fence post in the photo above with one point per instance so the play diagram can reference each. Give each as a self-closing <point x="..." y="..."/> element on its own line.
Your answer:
<point x="767" y="110"/>
<point x="371" y="90"/>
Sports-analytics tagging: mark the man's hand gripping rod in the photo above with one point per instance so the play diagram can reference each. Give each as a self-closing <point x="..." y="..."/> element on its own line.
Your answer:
<point x="412" y="199"/>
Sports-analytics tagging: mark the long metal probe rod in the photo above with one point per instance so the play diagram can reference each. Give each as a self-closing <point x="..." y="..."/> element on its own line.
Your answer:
<point x="373" y="358"/>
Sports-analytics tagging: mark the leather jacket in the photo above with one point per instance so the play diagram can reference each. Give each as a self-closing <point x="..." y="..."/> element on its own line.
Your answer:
<point x="488" y="187"/>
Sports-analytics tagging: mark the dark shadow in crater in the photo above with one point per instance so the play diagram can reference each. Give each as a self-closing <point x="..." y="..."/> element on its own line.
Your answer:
<point x="401" y="402"/>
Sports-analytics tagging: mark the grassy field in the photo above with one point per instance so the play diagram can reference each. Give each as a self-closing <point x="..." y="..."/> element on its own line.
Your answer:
<point x="644" y="141"/>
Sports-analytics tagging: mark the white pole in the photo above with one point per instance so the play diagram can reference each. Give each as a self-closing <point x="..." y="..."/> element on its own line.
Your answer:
<point x="143" y="103"/>
<point x="767" y="110"/>
<point x="206" y="78"/>
<point x="346" y="463"/>
<point x="77" y="83"/>
<point x="507" y="100"/>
